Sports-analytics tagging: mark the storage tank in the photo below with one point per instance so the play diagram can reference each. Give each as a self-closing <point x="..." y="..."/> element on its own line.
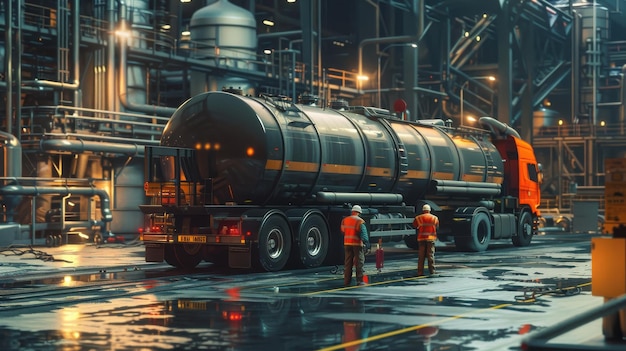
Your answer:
<point x="257" y="151"/>
<point x="11" y="163"/>
<point x="11" y="155"/>
<point x="226" y="35"/>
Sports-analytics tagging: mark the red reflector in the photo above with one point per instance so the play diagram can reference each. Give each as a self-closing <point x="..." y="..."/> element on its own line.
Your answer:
<point x="235" y="316"/>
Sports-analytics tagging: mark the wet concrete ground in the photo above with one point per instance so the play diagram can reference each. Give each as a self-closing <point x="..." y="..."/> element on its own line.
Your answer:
<point x="107" y="298"/>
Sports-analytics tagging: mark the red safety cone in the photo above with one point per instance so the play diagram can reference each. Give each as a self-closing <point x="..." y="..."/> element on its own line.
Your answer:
<point x="380" y="255"/>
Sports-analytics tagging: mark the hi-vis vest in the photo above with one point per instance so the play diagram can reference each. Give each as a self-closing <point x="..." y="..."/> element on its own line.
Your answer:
<point x="427" y="226"/>
<point x="350" y="226"/>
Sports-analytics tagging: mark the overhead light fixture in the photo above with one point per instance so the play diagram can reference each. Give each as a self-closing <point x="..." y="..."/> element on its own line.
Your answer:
<point x="291" y="1"/>
<point x="185" y="1"/>
<point x="267" y="51"/>
<point x="268" y="23"/>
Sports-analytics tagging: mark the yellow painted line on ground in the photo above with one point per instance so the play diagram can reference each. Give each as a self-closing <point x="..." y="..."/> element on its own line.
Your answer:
<point x="410" y="329"/>
<point x="416" y="327"/>
<point x="360" y="286"/>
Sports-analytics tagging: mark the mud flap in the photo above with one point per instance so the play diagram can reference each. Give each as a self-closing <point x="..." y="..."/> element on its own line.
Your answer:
<point x="239" y="257"/>
<point x="155" y="252"/>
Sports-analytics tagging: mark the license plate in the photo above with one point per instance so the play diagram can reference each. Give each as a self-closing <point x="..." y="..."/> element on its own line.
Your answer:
<point x="191" y="239"/>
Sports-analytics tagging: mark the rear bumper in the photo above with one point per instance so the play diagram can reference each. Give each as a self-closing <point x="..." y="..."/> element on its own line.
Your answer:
<point x="206" y="239"/>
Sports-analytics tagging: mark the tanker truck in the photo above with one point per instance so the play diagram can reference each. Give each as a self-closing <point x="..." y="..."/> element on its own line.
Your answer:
<point x="262" y="182"/>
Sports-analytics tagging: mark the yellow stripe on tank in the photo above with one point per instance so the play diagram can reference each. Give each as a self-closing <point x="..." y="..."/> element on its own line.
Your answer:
<point x="378" y="171"/>
<point x="274" y="165"/>
<point x="443" y="175"/>
<point x="416" y="174"/>
<point x="472" y="177"/>
<point x="297" y="166"/>
<point x="341" y="169"/>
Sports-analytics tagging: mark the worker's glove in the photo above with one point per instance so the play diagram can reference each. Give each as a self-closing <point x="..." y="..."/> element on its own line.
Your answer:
<point x="367" y="247"/>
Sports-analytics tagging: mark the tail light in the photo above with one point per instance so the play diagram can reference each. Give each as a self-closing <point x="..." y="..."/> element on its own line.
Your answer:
<point x="233" y="316"/>
<point x="230" y="228"/>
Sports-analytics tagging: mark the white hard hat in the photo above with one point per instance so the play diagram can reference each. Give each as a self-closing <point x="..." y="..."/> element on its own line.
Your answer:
<point x="357" y="208"/>
<point x="426" y="207"/>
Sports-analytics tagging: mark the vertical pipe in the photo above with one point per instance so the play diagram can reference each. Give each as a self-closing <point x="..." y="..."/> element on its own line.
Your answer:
<point x="596" y="64"/>
<point x="319" y="47"/>
<point x="76" y="53"/>
<point x="111" y="103"/>
<point x="622" y="108"/>
<point x="575" y="75"/>
<point x="18" y="70"/>
<point x="63" y="209"/>
<point x="9" y="64"/>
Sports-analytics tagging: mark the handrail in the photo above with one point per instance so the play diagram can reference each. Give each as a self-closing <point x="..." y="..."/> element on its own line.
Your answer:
<point x="86" y="123"/>
<point x="540" y="341"/>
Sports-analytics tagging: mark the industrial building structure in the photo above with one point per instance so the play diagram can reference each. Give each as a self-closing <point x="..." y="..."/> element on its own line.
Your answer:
<point x="88" y="85"/>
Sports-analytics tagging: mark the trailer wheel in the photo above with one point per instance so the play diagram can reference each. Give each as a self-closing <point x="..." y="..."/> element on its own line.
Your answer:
<point x="480" y="233"/>
<point x="411" y="242"/>
<point x="183" y="256"/>
<point x="274" y="243"/>
<point x="524" y="230"/>
<point x="314" y="241"/>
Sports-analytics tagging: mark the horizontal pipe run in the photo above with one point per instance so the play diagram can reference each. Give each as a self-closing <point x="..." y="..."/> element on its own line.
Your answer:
<point x="455" y="190"/>
<point x="105" y="203"/>
<point x="361" y="198"/>
<point x="80" y="146"/>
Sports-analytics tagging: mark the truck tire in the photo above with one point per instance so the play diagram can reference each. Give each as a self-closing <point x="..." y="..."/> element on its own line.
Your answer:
<point x="274" y="243"/>
<point x="314" y="241"/>
<point x="480" y="233"/>
<point x="411" y="242"/>
<point x="524" y="230"/>
<point x="183" y="256"/>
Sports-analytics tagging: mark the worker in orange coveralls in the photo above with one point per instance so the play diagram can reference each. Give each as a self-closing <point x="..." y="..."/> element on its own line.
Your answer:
<point x="355" y="240"/>
<point x="426" y="224"/>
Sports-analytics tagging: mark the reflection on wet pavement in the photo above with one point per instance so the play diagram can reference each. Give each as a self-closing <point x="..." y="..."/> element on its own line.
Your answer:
<point x="486" y="303"/>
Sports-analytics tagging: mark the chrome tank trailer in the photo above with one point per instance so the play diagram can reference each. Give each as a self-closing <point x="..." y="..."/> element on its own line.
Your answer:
<point x="260" y="151"/>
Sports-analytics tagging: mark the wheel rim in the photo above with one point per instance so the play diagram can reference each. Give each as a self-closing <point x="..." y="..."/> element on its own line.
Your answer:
<point x="481" y="232"/>
<point x="313" y="241"/>
<point x="527" y="228"/>
<point x="275" y="243"/>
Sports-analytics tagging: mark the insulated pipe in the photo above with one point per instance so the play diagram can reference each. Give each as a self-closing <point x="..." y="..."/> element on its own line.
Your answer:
<point x="105" y="204"/>
<point x="123" y="72"/>
<point x="498" y="128"/>
<point x="80" y="146"/>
